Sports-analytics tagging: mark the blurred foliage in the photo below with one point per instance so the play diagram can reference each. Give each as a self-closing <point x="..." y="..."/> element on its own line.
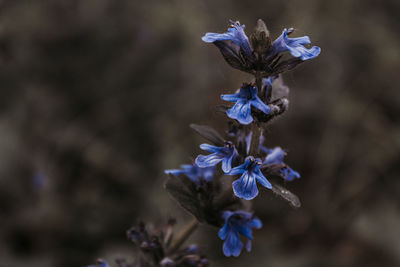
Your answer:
<point x="97" y="96"/>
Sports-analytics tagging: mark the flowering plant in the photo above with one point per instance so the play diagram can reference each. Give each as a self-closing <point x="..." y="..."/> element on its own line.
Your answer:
<point x="197" y="186"/>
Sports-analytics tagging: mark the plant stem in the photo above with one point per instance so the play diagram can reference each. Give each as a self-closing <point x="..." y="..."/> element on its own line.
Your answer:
<point x="255" y="140"/>
<point x="183" y="235"/>
<point x="259" y="84"/>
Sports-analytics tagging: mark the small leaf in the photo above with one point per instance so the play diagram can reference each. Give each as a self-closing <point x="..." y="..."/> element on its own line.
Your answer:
<point x="184" y="192"/>
<point x="209" y="133"/>
<point x="293" y="200"/>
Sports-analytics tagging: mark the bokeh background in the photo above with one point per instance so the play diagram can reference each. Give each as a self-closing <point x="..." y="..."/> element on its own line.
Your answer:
<point x="95" y="101"/>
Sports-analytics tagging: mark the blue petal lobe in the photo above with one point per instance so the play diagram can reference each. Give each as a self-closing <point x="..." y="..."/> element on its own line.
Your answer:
<point x="256" y="223"/>
<point x="241" y="111"/>
<point x="210" y="148"/>
<point x="257" y="103"/>
<point x="275" y="155"/>
<point x="237" y="170"/>
<point x="231" y="98"/>
<point x="295" y="46"/>
<point x="223" y="232"/>
<point x="261" y="179"/>
<point x="232" y="246"/>
<point x="245" y="187"/>
<point x="206" y="161"/>
<point x="227" y="164"/>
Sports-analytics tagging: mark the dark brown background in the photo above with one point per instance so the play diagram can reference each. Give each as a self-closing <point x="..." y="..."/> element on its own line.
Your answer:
<point x="95" y="101"/>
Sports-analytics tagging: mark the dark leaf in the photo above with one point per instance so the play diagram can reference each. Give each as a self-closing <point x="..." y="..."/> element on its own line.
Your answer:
<point x="200" y="201"/>
<point x="184" y="192"/>
<point x="209" y="133"/>
<point x="293" y="200"/>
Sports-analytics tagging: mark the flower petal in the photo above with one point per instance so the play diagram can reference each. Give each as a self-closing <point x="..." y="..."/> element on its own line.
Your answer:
<point x="238" y="170"/>
<point x="223" y="232"/>
<point x="231" y="98"/>
<point x="275" y="155"/>
<point x="257" y="103"/>
<point x="261" y="179"/>
<point x="241" y="111"/>
<point x="295" y="46"/>
<point x="235" y="34"/>
<point x="245" y="187"/>
<point x="290" y="174"/>
<point x="227" y="164"/>
<point x="232" y="246"/>
<point x="256" y="223"/>
<point x="210" y="148"/>
<point x="209" y="160"/>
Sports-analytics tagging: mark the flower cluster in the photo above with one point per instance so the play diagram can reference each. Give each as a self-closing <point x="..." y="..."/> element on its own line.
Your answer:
<point x="261" y="56"/>
<point x="241" y="152"/>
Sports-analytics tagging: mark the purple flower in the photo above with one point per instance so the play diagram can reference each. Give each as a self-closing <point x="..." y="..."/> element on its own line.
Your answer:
<point x="246" y="98"/>
<point x="235" y="34"/>
<point x="223" y="154"/>
<point x="294" y="45"/>
<point x="276" y="156"/>
<point x="237" y="222"/>
<point x="246" y="186"/>
<point x="194" y="172"/>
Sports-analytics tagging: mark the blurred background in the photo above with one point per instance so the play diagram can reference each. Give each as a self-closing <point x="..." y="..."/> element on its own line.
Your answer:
<point x="95" y="101"/>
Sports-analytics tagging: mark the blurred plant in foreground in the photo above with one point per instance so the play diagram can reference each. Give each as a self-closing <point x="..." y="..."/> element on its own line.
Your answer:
<point x="197" y="186"/>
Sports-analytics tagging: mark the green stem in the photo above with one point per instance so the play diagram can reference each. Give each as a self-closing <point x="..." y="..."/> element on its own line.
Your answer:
<point x="183" y="235"/>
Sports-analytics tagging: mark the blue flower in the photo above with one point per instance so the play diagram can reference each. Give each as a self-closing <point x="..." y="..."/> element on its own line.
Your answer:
<point x="235" y="34"/>
<point x="246" y="187"/>
<point x="100" y="263"/>
<point x="294" y="45"/>
<point x="246" y="98"/>
<point x="223" y="154"/>
<point x="276" y="156"/>
<point x="194" y="172"/>
<point x="237" y="222"/>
